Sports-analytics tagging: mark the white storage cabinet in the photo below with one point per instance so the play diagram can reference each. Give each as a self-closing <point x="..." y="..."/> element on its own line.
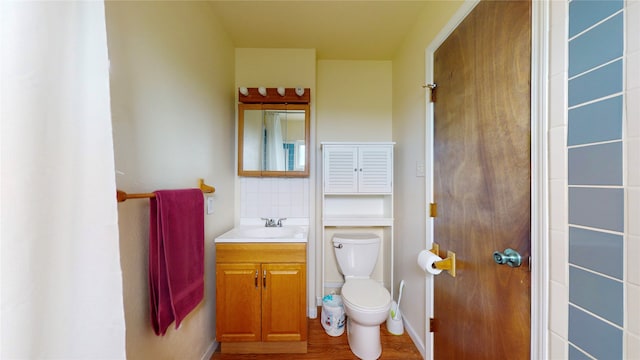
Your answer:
<point x="357" y="196"/>
<point x="357" y="168"/>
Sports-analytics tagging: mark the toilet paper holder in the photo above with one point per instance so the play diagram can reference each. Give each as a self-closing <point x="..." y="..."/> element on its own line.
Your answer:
<point x="448" y="264"/>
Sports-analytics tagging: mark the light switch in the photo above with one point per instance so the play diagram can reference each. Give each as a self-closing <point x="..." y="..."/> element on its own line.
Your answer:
<point x="419" y="169"/>
<point x="209" y="205"/>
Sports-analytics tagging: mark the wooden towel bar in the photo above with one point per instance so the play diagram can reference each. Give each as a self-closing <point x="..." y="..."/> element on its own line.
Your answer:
<point x="122" y="196"/>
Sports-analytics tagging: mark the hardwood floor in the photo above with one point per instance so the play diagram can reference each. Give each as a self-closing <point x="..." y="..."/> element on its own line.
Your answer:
<point x="325" y="347"/>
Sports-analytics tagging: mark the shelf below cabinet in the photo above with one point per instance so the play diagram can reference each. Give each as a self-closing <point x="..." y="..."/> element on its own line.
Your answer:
<point x="358" y="221"/>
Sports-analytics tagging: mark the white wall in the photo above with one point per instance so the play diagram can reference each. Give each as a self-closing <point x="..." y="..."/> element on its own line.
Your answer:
<point x="354" y="104"/>
<point x="275" y="197"/>
<point x="351" y="101"/>
<point x="409" y="104"/>
<point x="354" y="100"/>
<point x="280" y="197"/>
<point x="558" y="237"/>
<point x="173" y="112"/>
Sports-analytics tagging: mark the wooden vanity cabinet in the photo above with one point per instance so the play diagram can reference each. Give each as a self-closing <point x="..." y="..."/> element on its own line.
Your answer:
<point x="261" y="297"/>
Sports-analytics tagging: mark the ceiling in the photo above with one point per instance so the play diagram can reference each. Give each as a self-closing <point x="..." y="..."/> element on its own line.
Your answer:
<point x="338" y="30"/>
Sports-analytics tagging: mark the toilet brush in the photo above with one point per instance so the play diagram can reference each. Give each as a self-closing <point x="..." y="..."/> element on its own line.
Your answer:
<point x="395" y="313"/>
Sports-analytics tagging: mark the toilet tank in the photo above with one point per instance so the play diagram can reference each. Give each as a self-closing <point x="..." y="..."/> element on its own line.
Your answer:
<point x="356" y="254"/>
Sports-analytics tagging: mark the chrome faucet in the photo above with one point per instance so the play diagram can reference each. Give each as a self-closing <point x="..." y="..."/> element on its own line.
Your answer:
<point x="268" y="222"/>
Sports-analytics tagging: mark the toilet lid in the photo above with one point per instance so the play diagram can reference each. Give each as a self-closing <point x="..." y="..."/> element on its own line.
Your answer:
<point x="365" y="293"/>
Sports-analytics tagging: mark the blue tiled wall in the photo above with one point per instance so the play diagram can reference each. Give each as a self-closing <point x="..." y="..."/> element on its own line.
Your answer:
<point x="595" y="179"/>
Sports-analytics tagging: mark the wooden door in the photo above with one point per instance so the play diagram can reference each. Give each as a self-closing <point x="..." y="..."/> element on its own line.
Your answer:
<point x="482" y="183"/>
<point x="238" y="311"/>
<point x="284" y="302"/>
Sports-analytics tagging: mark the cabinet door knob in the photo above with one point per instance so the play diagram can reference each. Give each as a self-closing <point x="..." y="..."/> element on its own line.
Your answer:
<point x="264" y="278"/>
<point x="256" y="279"/>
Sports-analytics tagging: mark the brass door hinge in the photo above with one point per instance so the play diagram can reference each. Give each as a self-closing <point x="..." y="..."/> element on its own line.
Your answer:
<point x="433" y="325"/>
<point x="433" y="210"/>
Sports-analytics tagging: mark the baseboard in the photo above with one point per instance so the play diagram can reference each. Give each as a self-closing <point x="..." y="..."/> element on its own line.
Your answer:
<point x="419" y="343"/>
<point x="209" y="353"/>
<point x="265" y="347"/>
<point x="312" y="312"/>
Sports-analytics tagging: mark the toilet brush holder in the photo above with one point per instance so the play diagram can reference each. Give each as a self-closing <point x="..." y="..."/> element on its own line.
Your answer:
<point x="394" y="324"/>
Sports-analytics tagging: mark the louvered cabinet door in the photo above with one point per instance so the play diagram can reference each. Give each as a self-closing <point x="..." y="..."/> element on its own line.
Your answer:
<point x="340" y="169"/>
<point x="375" y="171"/>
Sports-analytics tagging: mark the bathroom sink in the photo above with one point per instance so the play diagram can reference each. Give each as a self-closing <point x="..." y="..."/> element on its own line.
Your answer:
<point x="264" y="234"/>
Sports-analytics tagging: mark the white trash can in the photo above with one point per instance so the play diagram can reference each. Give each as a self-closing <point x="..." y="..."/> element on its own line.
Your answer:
<point x="333" y="316"/>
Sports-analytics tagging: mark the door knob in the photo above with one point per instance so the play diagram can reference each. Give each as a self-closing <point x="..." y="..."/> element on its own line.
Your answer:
<point x="509" y="257"/>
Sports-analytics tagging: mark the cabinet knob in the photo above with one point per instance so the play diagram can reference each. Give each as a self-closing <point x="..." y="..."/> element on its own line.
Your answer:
<point x="256" y="279"/>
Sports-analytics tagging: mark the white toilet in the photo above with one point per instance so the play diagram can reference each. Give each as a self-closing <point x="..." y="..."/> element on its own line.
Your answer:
<point x="366" y="302"/>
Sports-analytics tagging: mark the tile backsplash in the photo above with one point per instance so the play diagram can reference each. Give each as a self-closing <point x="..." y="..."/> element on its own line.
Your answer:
<point x="596" y="188"/>
<point x="274" y="197"/>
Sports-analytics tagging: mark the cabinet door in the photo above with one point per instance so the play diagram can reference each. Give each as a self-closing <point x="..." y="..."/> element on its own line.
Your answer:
<point x="238" y="292"/>
<point x="375" y="168"/>
<point x="284" y="302"/>
<point x="340" y="169"/>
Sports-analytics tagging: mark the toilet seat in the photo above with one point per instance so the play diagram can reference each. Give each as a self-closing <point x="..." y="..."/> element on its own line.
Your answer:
<point x="366" y="295"/>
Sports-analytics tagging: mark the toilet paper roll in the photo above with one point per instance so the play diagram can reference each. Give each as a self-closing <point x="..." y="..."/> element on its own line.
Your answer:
<point x="426" y="259"/>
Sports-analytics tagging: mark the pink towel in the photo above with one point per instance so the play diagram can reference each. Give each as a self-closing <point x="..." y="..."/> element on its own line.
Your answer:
<point x="176" y="256"/>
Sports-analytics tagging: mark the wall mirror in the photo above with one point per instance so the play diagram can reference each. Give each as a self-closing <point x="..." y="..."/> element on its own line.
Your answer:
<point x="273" y="140"/>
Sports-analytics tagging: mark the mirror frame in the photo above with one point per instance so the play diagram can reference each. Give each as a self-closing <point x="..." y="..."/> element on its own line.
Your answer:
<point x="273" y="106"/>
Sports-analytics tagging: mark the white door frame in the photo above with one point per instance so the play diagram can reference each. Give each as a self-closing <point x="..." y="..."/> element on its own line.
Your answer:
<point x="539" y="165"/>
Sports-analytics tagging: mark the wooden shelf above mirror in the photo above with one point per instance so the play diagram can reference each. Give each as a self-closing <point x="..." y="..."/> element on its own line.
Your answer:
<point x="272" y="97"/>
